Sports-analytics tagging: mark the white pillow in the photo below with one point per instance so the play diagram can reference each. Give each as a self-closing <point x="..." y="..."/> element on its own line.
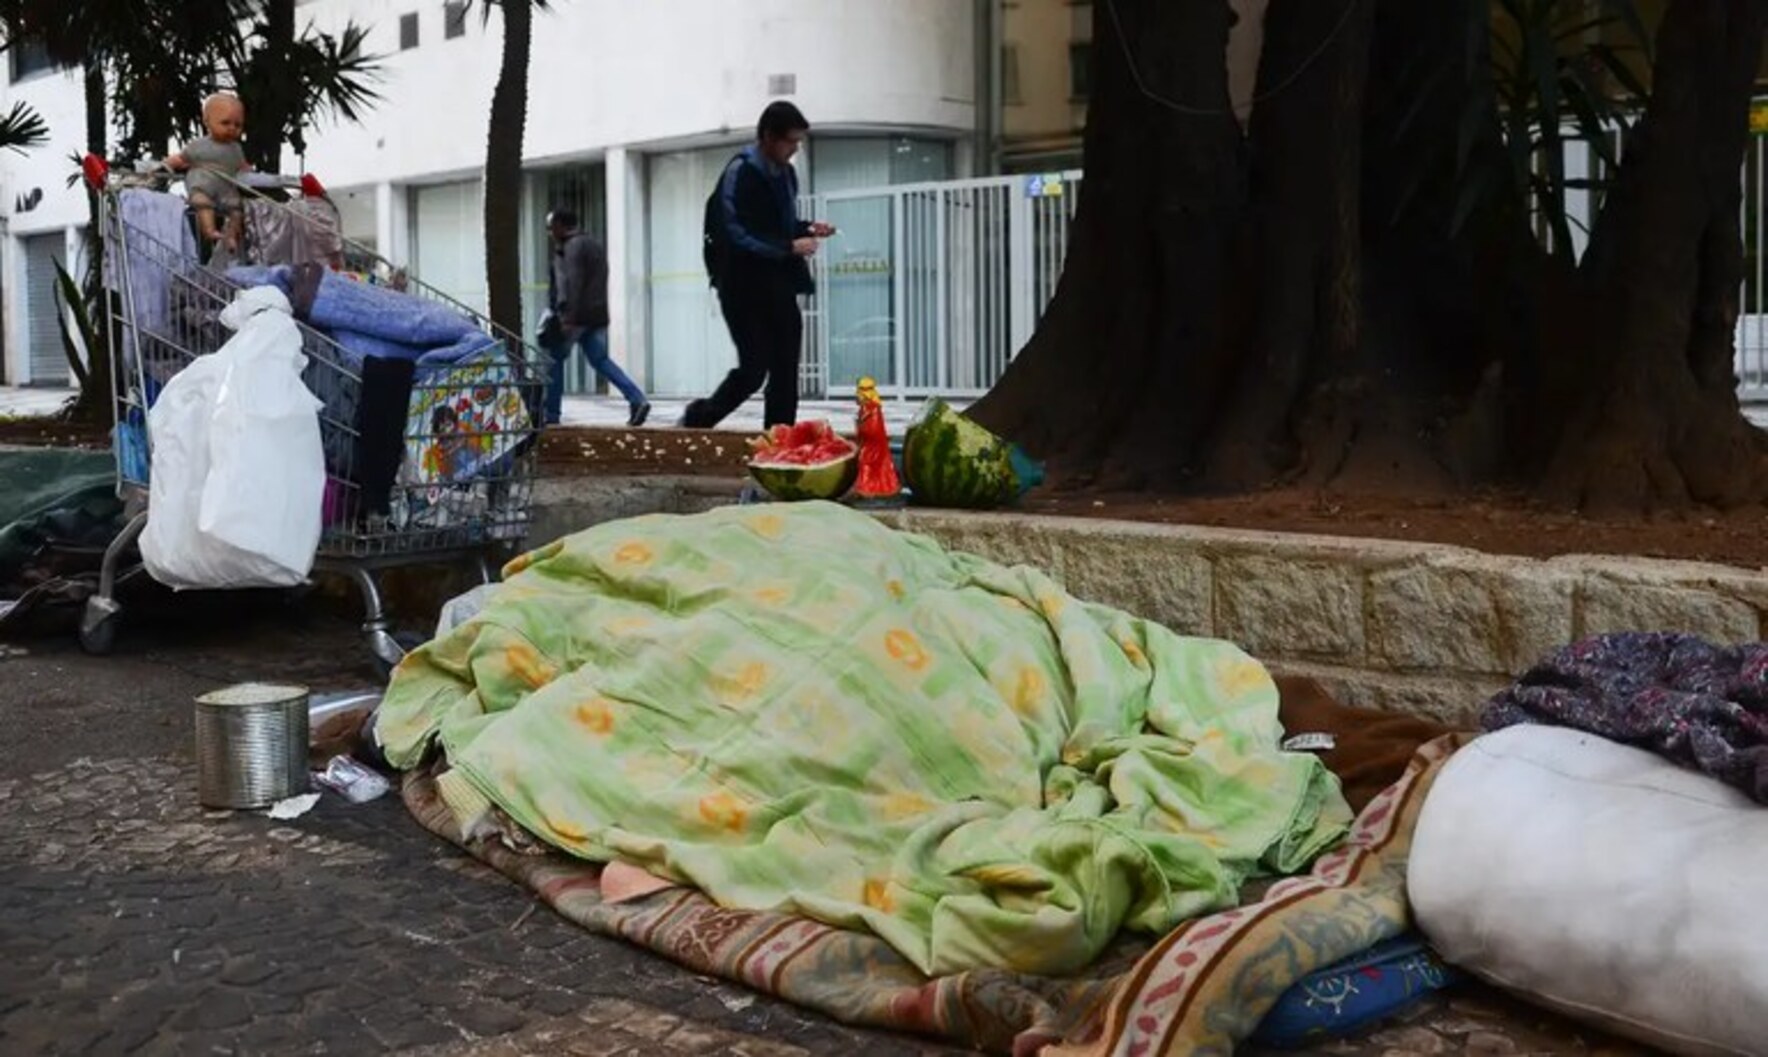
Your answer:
<point x="1602" y="881"/>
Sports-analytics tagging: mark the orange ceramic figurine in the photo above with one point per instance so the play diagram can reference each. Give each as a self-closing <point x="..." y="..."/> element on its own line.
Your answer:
<point x="877" y="473"/>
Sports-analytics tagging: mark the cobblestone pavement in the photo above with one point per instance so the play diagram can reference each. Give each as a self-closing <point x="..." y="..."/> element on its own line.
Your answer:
<point x="132" y="921"/>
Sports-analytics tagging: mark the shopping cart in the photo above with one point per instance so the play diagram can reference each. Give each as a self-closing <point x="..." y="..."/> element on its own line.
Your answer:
<point x="430" y="470"/>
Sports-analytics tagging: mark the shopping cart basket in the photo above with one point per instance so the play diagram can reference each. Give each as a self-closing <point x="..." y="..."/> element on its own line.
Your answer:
<point x="436" y="469"/>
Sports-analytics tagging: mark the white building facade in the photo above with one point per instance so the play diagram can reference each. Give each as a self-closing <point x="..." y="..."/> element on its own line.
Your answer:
<point x="634" y="105"/>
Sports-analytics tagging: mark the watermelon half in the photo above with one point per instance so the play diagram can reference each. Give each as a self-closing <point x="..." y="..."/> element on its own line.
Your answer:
<point x="950" y="461"/>
<point x="806" y="461"/>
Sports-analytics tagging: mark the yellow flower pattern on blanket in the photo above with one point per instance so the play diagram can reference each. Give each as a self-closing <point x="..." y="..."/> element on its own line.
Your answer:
<point x="723" y="811"/>
<point x="741" y="686"/>
<point x="904" y="647"/>
<point x="769" y="526"/>
<point x="633" y="553"/>
<point x="1241" y="676"/>
<point x="801" y="709"/>
<point x="527" y="666"/>
<point x="596" y="716"/>
<point x="566" y="830"/>
<point x="878" y="895"/>
<point x="1028" y="690"/>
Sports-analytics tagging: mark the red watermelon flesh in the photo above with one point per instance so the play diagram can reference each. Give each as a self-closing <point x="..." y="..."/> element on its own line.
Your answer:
<point x="811" y="443"/>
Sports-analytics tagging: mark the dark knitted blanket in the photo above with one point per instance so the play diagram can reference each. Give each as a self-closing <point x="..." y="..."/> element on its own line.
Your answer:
<point x="1698" y="704"/>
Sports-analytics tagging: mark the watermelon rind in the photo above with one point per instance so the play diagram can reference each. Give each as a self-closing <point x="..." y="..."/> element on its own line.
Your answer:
<point x="796" y="483"/>
<point x="950" y="461"/>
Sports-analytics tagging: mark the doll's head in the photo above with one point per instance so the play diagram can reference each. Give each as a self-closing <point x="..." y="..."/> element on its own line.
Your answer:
<point x="224" y="116"/>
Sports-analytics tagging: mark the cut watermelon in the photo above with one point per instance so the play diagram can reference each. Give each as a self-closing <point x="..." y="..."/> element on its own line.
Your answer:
<point x="948" y="460"/>
<point x="806" y="461"/>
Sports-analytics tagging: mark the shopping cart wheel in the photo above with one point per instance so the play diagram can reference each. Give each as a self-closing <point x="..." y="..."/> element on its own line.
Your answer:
<point x="98" y="626"/>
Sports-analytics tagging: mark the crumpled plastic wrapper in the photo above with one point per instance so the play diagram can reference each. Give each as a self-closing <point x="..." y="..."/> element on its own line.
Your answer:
<point x="353" y="781"/>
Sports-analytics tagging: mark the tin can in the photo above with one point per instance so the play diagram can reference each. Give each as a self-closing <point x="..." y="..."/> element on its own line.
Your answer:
<point x="251" y="745"/>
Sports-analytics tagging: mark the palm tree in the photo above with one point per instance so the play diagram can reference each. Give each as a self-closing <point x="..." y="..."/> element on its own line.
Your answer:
<point x="503" y="163"/>
<point x="86" y="35"/>
<point x="161" y="59"/>
<point x="291" y="79"/>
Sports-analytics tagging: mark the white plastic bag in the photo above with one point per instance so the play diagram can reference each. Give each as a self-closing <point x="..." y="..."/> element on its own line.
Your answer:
<point x="237" y="488"/>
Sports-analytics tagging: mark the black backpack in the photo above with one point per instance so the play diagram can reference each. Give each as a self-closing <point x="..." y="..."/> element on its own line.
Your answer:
<point x="714" y="237"/>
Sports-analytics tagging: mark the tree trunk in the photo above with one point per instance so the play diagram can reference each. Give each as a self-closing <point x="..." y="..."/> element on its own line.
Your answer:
<point x="1143" y="293"/>
<point x="1301" y="287"/>
<point x="97" y="111"/>
<point x="1657" y="423"/>
<point x="1214" y="322"/>
<point x="276" y="101"/>
<point x="503" y="169"/>
<point x="1295" y="304"/>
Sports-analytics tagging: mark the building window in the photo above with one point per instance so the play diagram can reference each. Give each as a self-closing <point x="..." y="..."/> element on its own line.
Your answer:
<point x="1080" y="75"/>
<point x="454" y="19"/>
<point x="408" y="31"/>
<point x="29" y="58"/>
<point x="1010" y="75"/>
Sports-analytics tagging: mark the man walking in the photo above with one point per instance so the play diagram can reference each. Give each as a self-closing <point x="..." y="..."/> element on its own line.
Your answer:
<point x="577" y="316"/>
<point x="757" y="256"/>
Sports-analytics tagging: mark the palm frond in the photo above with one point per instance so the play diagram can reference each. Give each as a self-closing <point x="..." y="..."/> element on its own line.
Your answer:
<point x="23" y="128"/>
<point x="1558" y="79"/>
<point x="336" y="73"/>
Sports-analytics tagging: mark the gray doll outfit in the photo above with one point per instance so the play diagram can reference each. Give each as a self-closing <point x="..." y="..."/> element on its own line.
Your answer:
<point x="211" y="166"/>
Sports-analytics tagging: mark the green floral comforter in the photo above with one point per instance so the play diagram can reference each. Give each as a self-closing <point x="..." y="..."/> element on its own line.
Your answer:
<point x="792" y="707"/>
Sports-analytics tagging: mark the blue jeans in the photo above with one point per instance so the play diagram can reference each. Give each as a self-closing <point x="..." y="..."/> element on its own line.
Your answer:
<point x="594" y="344"/>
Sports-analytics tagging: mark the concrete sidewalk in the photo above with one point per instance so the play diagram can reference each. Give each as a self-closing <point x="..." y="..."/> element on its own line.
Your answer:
<point x="666" y="412"/>
<point x="16" y="402"/>
<point x="609" y="411"/>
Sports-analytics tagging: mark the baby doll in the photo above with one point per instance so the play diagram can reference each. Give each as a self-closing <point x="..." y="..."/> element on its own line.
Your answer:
<point x="209" y="163"/>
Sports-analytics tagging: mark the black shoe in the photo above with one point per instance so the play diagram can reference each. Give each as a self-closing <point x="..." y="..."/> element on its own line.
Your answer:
<point x="639" y="414"/>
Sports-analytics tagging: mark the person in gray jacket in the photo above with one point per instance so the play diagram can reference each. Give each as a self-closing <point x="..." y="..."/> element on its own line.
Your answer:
<point x="577" y="316"/>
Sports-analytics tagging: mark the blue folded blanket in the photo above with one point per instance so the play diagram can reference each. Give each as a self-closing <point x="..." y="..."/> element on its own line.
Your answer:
<point x="465" y="348"/>
<point x="358" y="347"/>
<point x="380" y="312"/>
<point x="250" y="275"/>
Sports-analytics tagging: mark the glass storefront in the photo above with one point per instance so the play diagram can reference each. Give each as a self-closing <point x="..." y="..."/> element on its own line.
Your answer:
<point x="859" y="270"/>
<point x="690" y="349"/>
<point x="448" y="241"/>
